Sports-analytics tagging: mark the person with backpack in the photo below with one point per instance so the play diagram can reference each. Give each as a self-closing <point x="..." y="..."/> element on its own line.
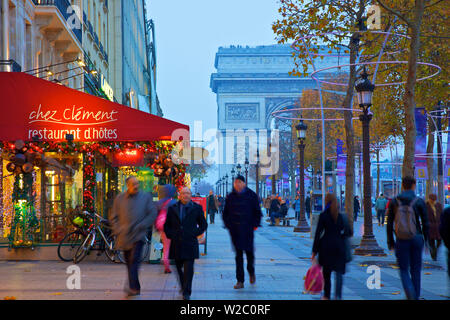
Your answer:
<point x="407" y="216"/>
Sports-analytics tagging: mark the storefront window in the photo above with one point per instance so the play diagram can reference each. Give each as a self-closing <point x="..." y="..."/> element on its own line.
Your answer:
<point x="62" y="194"/>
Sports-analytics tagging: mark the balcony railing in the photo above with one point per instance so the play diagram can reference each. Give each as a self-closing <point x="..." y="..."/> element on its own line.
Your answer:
<point x="62" y="6"/>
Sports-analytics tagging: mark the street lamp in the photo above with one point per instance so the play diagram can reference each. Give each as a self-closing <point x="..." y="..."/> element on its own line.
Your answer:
<point x="238" y="167"/>
<point x="257" y="172"/>
<point x="364" y="89"/>
<point x="246" y="165"/>
<point x="226" y="184"/>
<point x="302" y="225"/>
<point x="232" y="173"/>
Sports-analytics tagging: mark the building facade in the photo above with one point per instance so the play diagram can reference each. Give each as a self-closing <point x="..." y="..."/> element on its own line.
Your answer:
<point x="105" y="48"/>
<point x="43" y="38"/>
<point x="131" y="50"/>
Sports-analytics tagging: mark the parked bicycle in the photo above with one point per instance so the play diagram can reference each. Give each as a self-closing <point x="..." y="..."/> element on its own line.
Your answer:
<point x="68" y="246"/>
<point x="100" y="227"/>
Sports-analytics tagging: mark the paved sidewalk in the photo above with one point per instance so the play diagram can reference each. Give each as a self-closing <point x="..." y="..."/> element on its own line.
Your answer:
<point x="282" y="259"/>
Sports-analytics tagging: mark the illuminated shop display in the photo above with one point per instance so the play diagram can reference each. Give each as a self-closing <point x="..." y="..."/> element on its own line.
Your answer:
<point x="63" y="151"/>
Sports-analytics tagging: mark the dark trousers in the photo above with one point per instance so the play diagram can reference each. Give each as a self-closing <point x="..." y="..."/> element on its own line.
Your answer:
<point x="355" y="215"/>
<point x="240" y="264"/>
<point x="132" y="260"/>
<point x="274" y="215"/>
<point x="434" y="246"/>
<point x="185" y="270"/>
<point x="380" y="216"/>
<point x="409" y="259"/>
<point x="211" y="216"/>
<point x="327" y="283"/>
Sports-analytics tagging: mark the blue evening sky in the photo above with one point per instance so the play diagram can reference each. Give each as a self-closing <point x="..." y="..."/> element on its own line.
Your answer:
<point x="188" y="35"/>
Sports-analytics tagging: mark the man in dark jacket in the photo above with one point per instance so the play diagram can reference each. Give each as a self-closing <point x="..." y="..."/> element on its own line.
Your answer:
<point x="409" y="252"/>
<point x="274" y="211"/>
<point x="184" y="223"/>
<point x="444" y="231"/>
<point x="211" y="208"/>
<point x="242" y="216"/>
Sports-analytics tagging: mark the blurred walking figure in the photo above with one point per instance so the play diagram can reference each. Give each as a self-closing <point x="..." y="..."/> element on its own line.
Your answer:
<point x="167" y="192"/>
<point x="331" y="244"/>
<point x="221" y="203"/>
<point x="132" y="215"/>
<point x="184" y="223"/>
<point x="356" y="208"/>
<point x="242" y="216"/>
<point x="267" y="202"/>
<point x="297" y="207"/>
<point x="408" y="215"/>
<point x="211" y="206"/>
<point x="274" y="211"/>
<point x="380" y="207"/>
<point x="434" y="210"/>
<point x="444" y="231"/>
<point x="308" y="206"/>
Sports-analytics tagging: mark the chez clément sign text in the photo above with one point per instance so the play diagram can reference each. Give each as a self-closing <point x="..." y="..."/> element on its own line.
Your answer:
<point x="83" y="124"/>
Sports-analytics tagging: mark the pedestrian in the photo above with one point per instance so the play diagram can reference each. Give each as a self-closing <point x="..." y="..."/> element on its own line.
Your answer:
<point x="132" y="215"/>
<point x="242" y="216"/>
<point x="283" y="208"/>
<point x="444" y="231"/>
<point x="308" y="206"/>
<point x="297" y="207"/>
<point x="380" y="208"/>
<point x="331" y="244"/>
<point x="221" y="203"/>
<point x="407" y="214"/>
<point x="434" y="210"/>
<point x="185" y="222"/>
<point x="167" y="192"/>
<point x="356" y="208"/>
<point x="267" y="202"/>
<point x="211" y="207"/>
<point x="274" y="210"/>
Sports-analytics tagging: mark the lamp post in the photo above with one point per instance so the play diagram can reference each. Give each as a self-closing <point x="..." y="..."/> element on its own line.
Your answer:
<point x="246" y="165"/>
<point x="302" y="225"/>
<point x="232" y="174"/>
<point x="368" y="245"/>
<point x="226" y="184"/>
<point x="257" y="172"/>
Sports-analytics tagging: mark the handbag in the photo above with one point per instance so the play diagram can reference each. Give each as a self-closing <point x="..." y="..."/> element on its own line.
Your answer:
<point x="314" y="279"/>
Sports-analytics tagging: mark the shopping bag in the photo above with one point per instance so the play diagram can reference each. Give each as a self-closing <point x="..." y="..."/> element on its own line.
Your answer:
<point x="314" y="280"/>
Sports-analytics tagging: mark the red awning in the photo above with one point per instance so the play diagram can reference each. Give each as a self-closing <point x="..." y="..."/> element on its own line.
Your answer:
<point x="31" y="106"/>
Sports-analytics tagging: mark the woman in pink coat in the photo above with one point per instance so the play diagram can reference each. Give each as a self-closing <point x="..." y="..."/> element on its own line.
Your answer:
<point x="167" y="192"/>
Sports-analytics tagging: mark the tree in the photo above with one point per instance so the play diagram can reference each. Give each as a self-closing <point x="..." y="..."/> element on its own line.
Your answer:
<point x="301" y="18"/>
<point x="410" y="14"/>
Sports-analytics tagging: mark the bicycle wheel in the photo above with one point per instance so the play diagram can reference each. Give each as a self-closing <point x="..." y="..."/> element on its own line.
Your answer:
<point x="84" y="248"/>
<point x="144" y="252"/>
<point x="68" y="245"/>
<point x="111" y="253"/>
